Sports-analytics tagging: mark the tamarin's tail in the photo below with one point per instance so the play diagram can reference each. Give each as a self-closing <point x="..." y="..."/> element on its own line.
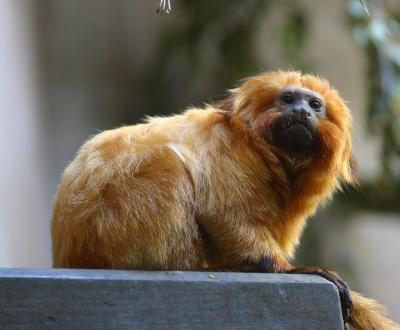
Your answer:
<point x="367" y="314"/>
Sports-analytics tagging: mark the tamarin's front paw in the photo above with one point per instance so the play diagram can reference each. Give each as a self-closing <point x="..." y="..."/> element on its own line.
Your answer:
<point x="344" y="291"/>
<point x="273" y="264"/>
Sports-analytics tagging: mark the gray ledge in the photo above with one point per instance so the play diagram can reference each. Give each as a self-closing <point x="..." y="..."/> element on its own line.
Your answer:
<point x="101" y="299"/>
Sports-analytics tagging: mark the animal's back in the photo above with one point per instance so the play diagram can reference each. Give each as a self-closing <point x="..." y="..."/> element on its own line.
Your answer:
<point x="126" y="201"/>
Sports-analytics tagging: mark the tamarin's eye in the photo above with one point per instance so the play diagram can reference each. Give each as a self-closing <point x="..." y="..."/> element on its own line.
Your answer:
<point x="315" y="104"/>
<point x="287" y="98"/>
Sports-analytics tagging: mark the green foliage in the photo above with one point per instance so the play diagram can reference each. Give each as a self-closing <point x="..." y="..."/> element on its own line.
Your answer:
<point x="379" y="35"/>
<point x="292" y="36"/>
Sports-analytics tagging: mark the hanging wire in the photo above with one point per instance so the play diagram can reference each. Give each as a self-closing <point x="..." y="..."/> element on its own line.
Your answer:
<point x="365" y="7"/>
<point x="165" y="7"/>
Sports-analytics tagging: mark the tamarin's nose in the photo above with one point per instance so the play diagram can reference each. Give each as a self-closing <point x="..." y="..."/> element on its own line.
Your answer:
<point x="301" y="111"/>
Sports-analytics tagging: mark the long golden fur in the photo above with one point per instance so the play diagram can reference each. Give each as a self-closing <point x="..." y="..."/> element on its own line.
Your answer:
<point x="207" y="188"/>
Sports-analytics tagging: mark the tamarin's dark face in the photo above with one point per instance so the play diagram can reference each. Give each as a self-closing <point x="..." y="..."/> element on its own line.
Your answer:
<point x="300" y="110"/>
<point x="300" y="116"/>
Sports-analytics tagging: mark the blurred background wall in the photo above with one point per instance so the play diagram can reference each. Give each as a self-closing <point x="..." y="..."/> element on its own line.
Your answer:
<point x="71" y="68"/>
<point x="25" y="187"/>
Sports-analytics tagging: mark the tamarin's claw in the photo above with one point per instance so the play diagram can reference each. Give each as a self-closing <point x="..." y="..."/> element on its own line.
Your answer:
<point x="343" y="288"/>
<point x="270" y="264"/>
<point x="344" y="293"/>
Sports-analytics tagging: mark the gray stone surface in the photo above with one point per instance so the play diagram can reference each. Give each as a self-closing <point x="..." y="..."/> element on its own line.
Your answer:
<point x="98" y="299"/>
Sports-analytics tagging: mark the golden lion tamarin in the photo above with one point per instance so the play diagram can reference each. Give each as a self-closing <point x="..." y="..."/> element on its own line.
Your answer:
<point x="225" y="187"/>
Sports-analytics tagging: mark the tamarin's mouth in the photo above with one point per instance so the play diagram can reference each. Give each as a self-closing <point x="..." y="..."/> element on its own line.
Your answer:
<point x="295" y="133"/>
<point x="292" y="121"/>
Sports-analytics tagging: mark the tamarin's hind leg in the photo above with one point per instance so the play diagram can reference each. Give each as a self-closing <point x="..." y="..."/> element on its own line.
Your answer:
<point x="271" y="264"/>
<point x="343" y="288"/>
<point x="127" y="211"/>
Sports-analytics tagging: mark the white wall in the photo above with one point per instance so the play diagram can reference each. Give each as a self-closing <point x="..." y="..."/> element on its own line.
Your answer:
<point x="375" y="250"/>
<point x="24" y="217"/>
